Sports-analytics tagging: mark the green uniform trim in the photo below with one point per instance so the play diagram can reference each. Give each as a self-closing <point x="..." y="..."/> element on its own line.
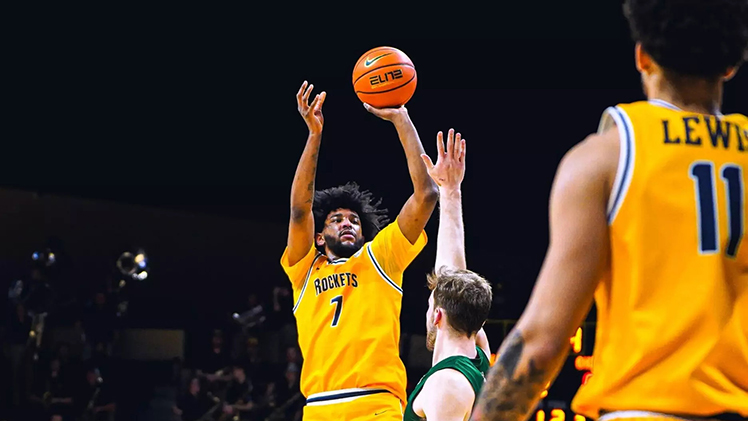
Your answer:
<point x="475" y="370"/>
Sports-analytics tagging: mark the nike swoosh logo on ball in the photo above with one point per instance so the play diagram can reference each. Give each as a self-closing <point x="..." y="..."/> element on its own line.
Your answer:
<point x="369" y="62"/>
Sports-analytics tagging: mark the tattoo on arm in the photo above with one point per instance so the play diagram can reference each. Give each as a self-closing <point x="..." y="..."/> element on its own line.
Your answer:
<point x="513" y="386"/>
<point x="310" y="187"/>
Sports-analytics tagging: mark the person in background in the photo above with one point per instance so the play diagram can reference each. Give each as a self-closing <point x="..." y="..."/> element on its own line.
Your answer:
<point x="195" y="403"/>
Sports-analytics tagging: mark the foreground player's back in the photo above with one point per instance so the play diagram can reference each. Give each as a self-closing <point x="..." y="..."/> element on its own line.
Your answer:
<point x="672" y="332"/>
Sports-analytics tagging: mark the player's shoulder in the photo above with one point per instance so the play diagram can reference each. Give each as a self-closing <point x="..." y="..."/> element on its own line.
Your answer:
<point x="739" y="119"/>
<point x="596" y="154"/>
<point x="388" y="234"/>
<point x="449" y="385"/>
<point x="391" y="226"/>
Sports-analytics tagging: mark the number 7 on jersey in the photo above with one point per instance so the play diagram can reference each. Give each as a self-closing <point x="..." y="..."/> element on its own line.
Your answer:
<point x="338" y="301"/>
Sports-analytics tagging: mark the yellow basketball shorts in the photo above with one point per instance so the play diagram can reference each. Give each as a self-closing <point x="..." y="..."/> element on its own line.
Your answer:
<point x="353" y="405"/>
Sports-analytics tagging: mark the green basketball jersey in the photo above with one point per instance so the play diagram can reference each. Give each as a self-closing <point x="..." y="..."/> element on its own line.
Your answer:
<point x="474" y="370"/>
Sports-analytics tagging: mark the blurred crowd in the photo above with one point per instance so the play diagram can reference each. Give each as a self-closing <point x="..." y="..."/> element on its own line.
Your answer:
<point x="249" y="370"/>
<point x="54" y="366"/>
<point x="59" y="360"/>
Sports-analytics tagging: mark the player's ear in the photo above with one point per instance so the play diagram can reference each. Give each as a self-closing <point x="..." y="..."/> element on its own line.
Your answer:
<point x="730" y="73"/>
<point x="320" y="239"/>
<point x="438" y="315"/>
<point x="644" y="62"/>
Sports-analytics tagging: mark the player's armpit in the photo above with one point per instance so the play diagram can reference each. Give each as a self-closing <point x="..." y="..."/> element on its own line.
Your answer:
<point x="416" y="213"/>
<point x="447" y="396"/>
<point x="392" y="251"/>
<point x="481" y="340"/>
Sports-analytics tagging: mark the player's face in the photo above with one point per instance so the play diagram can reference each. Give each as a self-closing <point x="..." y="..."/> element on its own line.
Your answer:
<point x="342" y="233"/>
<point x="430" y="327"/>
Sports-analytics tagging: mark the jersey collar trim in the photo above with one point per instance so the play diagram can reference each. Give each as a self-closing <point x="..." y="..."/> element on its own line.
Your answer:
<point x="665" y="104"/>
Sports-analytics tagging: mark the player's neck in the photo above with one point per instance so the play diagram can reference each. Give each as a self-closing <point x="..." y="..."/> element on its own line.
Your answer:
<point x="331" y="257"/>
<point x="689" y="94"/>
<point x="450" y="345"/>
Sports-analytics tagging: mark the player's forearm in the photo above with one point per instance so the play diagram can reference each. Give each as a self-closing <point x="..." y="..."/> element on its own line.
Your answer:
<point x="424" y="188"/>
<point x="450" y="244"/>
<point x="515" y="382"/>
<point x="302" y="190"/>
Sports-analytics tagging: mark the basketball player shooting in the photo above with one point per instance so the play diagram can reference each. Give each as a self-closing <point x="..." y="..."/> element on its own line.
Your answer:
<point x="458" y="306"/>
<point x="345" y="262"/>
<point x="648" y="216"/>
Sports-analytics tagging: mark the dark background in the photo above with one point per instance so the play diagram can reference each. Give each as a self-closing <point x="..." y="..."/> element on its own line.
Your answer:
<point x="198" y="116"/>
<point x="177" y="131"/>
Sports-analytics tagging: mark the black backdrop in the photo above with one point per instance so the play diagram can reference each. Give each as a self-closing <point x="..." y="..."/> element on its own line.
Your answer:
<point x="194" y="111"/>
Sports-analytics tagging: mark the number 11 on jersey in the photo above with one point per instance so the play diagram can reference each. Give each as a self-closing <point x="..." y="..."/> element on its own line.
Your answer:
<point x="702" y="172"/>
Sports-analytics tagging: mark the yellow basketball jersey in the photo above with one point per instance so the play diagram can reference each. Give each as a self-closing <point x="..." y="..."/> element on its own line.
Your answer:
<point x="672" y="325"/>
<point x="348" y="315"/>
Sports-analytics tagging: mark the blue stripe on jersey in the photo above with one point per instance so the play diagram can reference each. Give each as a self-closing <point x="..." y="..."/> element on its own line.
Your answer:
<point x="379" y="269"/>
<point x="628" y="150"/>
<point x="306" y="281"/>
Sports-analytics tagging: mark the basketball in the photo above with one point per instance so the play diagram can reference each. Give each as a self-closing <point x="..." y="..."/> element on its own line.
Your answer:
<point x="384" y="77"/>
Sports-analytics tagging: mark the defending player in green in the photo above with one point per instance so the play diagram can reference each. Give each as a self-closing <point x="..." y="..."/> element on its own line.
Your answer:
<point x="458" y="306"/>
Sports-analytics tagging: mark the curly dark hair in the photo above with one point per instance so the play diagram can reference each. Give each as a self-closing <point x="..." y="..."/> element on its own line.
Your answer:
<point x="349" y="196"/>
<point x="698" y="38"/>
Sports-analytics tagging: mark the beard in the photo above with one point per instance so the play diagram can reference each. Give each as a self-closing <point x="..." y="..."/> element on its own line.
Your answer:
<point x="341" y="249"/>
<point x="430" y="337"/>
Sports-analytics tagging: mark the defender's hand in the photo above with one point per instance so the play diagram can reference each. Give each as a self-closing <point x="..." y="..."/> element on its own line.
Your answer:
<point x="449" y="170"/>
<point x="311" y="113"/>
<point x="393" y="115"/>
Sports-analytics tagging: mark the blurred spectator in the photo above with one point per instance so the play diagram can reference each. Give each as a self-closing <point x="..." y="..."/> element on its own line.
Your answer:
<point x="96" y="400"/>
<point x="252" y="351"/>
<point x="17" y="337"/>
<point x="37" y="296"/>
<point x="52" y="392"/>
<point x="195" y="403"/>
<point x="77" y="340"/>
<point x="239" y="394"/>
<point x="280" y="327"/>
<point x="99" y="323"/>
<point x="68" y="363"/>
<point x="289" y="393"/>
<point x="282" y="306"/>
<point x="288" y="400"/>
<point x="293" y="356"/>
<point x="216" y="364"/>
<point x="253" y="319"/>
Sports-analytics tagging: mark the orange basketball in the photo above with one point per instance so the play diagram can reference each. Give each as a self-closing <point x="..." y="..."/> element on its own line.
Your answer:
<point x="384" y="77"/>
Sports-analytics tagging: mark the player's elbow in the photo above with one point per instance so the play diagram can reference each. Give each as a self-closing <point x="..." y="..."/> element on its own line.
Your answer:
<point x="428" y="195"/>
<point x="300" y="213"/>
<point x="548" y="353"/>
<point x="544" y="346"/>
